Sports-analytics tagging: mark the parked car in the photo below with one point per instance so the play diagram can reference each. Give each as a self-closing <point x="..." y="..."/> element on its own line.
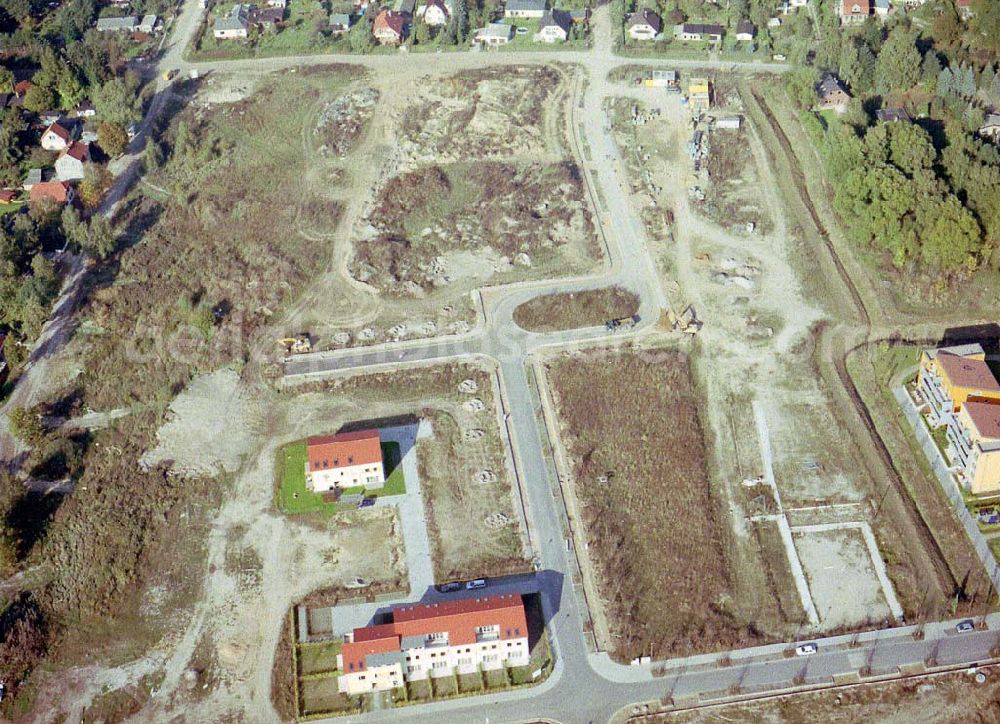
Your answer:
<point x="806" y="649"/>
<point x="965" y="626"/>
<point x="473" y="585"/>
<point x="450" y="587"/>
<point x="366" y="503"/>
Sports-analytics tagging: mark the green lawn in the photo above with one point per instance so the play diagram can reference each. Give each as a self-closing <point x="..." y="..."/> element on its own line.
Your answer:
<point x="293" y="496"/>
<point x="995" y="547"/>
<point x="315" y="658"/>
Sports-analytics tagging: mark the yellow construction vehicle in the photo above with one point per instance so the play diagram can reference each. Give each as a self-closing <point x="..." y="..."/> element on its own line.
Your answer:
<point x="296" y="345"/>
<point x="687" y="321"/>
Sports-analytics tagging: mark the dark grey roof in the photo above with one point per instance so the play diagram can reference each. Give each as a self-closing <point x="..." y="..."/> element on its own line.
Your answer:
<point x="703" y="28"/>
<point x="555" y="18"/>
<point x="645" y="17"/>
<point x="829" y="84"/>
<point x="411" y="642"/>
<point x="892" y="114"/>
<point x="745" y="26"/>
<point x="525" y="5"/>
<point x="385" y="659"/>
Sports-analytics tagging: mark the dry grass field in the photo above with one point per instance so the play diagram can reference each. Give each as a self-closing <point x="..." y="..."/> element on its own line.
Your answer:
<point x="634" y="434"/>
<point x="554" y="312"/>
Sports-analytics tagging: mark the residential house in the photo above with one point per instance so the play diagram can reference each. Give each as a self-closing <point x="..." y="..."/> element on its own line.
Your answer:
<point x="798" y="3"/>
<point x="47" y="118"/>
<point x="832" y="94"/>
<point x="406" y="7"/>
<point x="265" y="18"/>
<point x="84" y="109"/>
<point x="745" y="31"/>
<point x="892" y="115"/>
<point x="699" y="94"/>
<point x="127" y="24"/>
<point x="390" y="27"/>
<point x="443" y="639"/>
<point x="524" y="9"/>
<point x="56" y="138"/>
<point x="346" y="460"/>
<point x="69" y="165"/>
<point x="494" y="34"/>
<point x="951" y="376"/>
<point x="973" y="436"/>
<point x="7" y="196"/>
<point x="774" y="22"/>
<point x="699" y="31"/>
<point x="580" y="16"/>
<point x="662" y="79"/>
<point x="991" y="127"/>
<point x="643" y="25"/>
<point x="882" y="8"/>
<point x="32" y="179"/>
<point x="436" y="13"/>
<point x="282" y="4"/>
<point x="340" y="23"/>
<point x="147" y="24"/>
<point x="964" y="8"/>
<point x="233" y="25"/>
<point x="553" y="27"/>
<point x="59" y="191"/>
<point x="728" y="123"/>
<point x="854" y="11"/>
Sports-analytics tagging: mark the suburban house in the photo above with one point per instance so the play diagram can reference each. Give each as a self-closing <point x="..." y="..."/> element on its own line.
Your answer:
<point x="699" y="31"/>
<point x="832" y="95"/>
<point x="435" y="640"/>
<point x="390" y="27"/>
<point x="728" y="123"/>
<point x="69" y="165"/>
<point x="991" y="127"/>
<point x="277" y="4"/>
<point x="950" y="376"/>
<point x="745" y="31"/>
<point x="265" y="18"/>
<point x="892" y="115"/>
<point x="699" y="94"/>
<point x="127" y="24"/>
<point x="974" y="446"/>
<point x="84" y="109"/>
<point x="59" y="191"/>
<point x="553" y="27"/>
<point x="231" y="26"/>
<point x="345" y="460"/>
<point x="524" y="8"/>
<point x="882" y="8"/>
<point x="494" y="34"/>
<point x="964" y="8"/>
<point x="854" y="11"/>
<point x="643" y="25"/>
<point x="7" y="196"/>
<point x="436" y="12"/>
<point x="147" y="24"/>
<point x="339" y="23"/>
<point x="56" y="138"/>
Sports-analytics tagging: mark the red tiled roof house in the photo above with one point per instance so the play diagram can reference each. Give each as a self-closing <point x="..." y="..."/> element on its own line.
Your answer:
<point x="347" y="460"/>
<point x="854" y="11"/>
<point x="390" y="27"/>
<point x="59" y="191"/>
<point x="435" y="639"/>
<point x="56" y="138"/>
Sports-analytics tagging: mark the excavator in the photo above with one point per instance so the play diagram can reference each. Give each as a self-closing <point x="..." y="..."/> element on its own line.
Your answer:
<point x="299" y="344"/>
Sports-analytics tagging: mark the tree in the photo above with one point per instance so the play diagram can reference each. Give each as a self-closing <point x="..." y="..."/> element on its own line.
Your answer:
<point x="26" y="425"/>
<point x="96" y="180"/>
<point x="112" y="138"/>
<point x="100" y="239"/>
<point x="6" y="80"/>
<point x="12" y="130"/>
<point x="422" y="34"/>
<point x="152" y="155"/>
<point x="117" y="101"/>
<point x="361" y="35"/>
<point x="857" y="67"/>
<point x="950" y="234"/>
<point x="897" y="67"/>
<point x="39" y="98"/>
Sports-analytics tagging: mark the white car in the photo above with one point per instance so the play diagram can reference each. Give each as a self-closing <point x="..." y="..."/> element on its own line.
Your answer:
<point x="806" y="649"/>
<point x="473" y="585"/>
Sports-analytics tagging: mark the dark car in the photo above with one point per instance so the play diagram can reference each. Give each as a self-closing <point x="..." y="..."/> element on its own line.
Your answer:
<point x="366" y="503"/>
<point x="449" y="587"/>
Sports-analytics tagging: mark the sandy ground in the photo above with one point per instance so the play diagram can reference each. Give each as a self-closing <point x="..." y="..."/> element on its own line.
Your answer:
<point x="841" y="578"/>
<point x="211" y="425"/>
